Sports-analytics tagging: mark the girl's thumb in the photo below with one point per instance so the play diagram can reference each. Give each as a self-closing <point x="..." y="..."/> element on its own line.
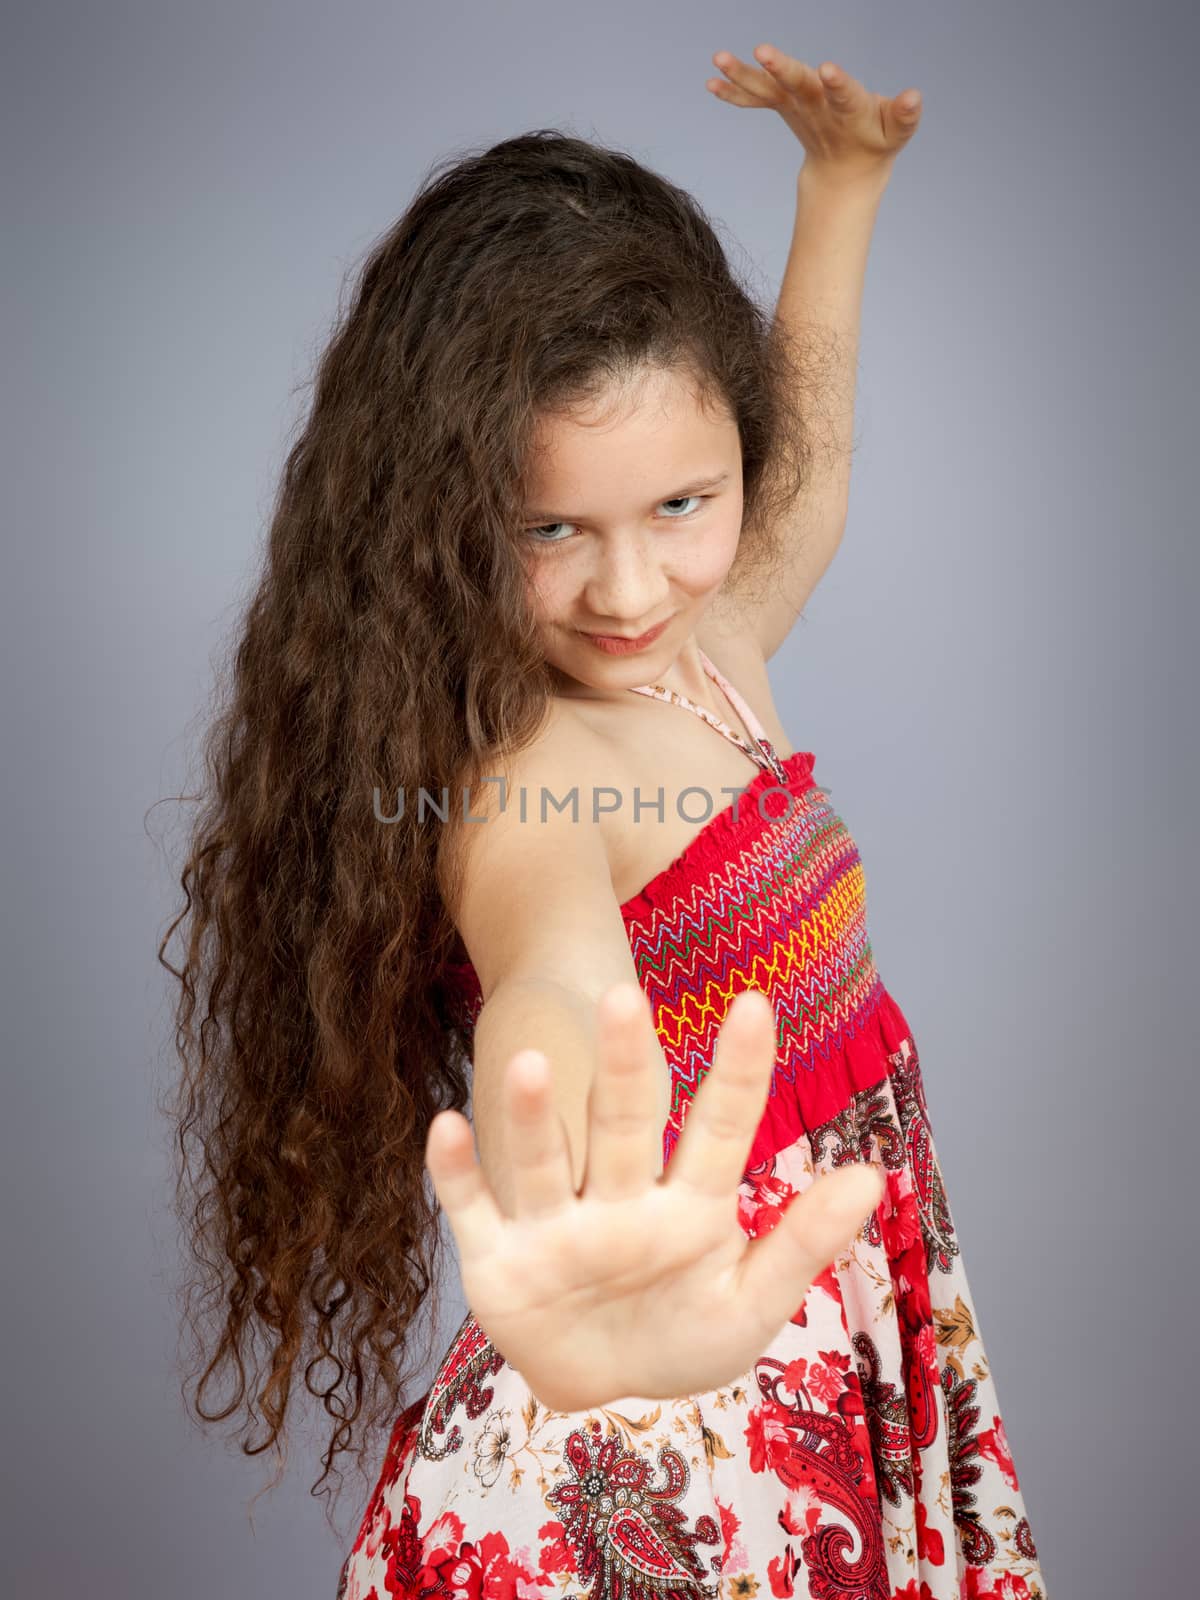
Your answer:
<point x="815" y="1227"/>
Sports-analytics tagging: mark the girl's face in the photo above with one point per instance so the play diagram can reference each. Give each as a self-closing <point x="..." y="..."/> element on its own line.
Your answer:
<point x="633" y="510"/>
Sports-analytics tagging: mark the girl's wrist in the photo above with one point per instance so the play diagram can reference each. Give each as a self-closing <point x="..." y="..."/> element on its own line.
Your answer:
<point x="847" y="183"/>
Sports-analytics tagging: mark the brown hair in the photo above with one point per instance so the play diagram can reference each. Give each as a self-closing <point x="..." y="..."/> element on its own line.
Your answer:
<point x="388" y="646"/>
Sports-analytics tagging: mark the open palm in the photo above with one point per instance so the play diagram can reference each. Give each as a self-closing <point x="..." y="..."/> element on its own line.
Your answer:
<point x="637" y="1284"/>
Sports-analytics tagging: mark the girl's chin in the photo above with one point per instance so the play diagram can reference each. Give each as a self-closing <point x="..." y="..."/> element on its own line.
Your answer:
<point x="592" y="671"/>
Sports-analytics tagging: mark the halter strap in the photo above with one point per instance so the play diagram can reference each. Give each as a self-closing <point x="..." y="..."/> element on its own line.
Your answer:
<point x="761" y="753"/>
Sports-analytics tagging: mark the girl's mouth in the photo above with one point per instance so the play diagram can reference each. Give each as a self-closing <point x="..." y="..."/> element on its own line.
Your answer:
<point x="617" y="646"/>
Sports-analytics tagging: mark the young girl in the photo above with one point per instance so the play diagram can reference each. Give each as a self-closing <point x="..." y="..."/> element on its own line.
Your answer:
<point x="501" y="796"/>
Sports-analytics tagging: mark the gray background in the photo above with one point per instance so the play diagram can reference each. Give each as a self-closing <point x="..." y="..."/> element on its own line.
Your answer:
<point x="993" y="672"/>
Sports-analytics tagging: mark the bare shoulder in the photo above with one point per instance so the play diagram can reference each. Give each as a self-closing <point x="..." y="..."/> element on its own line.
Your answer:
<point x="522" y="784"/>
<point x="534" y="900"/>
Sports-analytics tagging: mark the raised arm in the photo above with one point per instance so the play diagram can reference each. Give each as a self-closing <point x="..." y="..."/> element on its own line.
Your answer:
<point x="850" y="138"/>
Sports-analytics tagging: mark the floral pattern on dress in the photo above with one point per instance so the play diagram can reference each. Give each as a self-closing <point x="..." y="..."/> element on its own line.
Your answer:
<point x="861" y="1457"/>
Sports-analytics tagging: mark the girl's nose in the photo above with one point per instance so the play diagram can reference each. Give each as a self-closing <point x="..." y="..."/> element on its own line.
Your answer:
<point x="627" y="586"/>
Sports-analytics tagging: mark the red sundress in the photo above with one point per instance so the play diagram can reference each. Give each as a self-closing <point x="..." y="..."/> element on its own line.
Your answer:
<point x="862" y="1456"/>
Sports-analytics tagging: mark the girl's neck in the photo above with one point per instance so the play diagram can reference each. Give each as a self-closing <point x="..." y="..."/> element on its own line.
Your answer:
<point x="686" y="675"/>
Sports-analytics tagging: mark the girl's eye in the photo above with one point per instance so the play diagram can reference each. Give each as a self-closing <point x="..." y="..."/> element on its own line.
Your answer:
<point x="535" y="533"/>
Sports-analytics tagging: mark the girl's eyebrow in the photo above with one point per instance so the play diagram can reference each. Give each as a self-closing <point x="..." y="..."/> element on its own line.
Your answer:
<point x="694" y="487"/>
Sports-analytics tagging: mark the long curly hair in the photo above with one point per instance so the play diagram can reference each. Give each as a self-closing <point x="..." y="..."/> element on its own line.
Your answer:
<point x="388" y="646"/>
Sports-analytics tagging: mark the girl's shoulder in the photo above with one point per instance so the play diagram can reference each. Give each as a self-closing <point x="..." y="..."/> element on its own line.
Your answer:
<point x="583" y="756"/>
<point x="637" y="762"/>
<point x="582" y="739"/>
<point x="528" y="786"/>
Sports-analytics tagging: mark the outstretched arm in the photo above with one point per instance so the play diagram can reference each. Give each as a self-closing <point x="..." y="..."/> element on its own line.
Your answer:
<point x="851" y="138"/>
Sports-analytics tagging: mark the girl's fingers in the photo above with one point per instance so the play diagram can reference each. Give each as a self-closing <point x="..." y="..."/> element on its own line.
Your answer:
<point x="461" y="1188"/>
<point x="901" y="115"/>
<point x="624" y="1133"/>
<point x="794" y="89"/>
<point x="731" y="94"/>
<point x="796" y="76"/>
<point x="843" y="92"/>
<point x="720" y="1126"/>
<point x="776" y="1270"/>
<point x="534" y="1139"/>
<point x="747" y="85"/>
